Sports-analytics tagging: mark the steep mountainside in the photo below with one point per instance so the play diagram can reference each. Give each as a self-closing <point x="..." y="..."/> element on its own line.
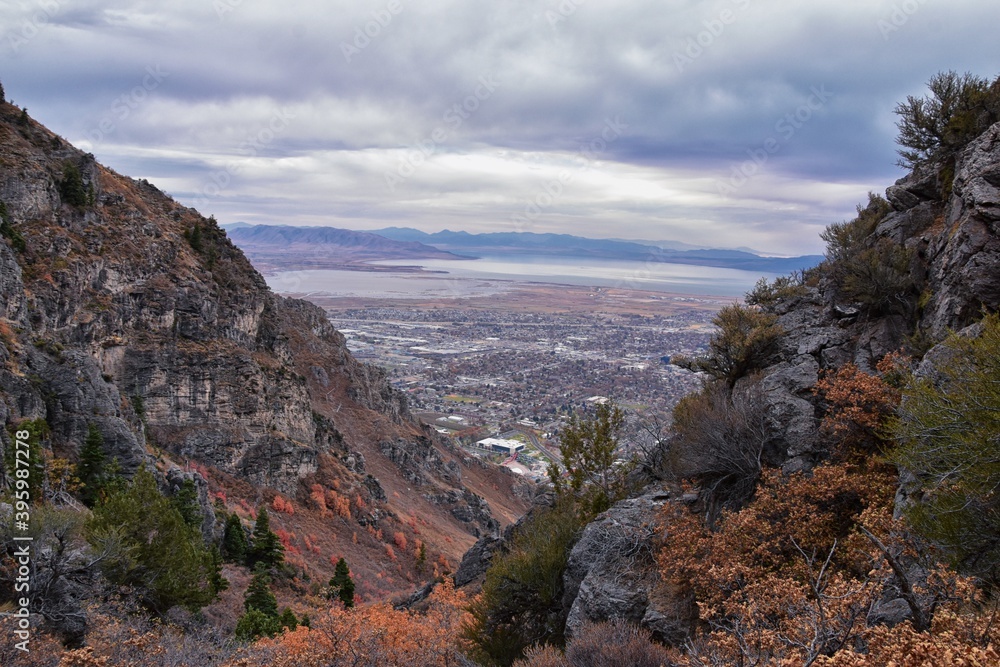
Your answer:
<point x="122" y="309"/>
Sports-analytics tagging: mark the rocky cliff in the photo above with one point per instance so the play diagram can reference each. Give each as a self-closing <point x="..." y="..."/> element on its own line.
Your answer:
<point x="121" y="308"/>
<point x="948" y="236"/>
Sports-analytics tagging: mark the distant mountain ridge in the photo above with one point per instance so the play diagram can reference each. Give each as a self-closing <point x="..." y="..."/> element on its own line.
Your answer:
<point x="286" y="235"/>
<point x="284" y="248"/>
<point x="567" y="245"/>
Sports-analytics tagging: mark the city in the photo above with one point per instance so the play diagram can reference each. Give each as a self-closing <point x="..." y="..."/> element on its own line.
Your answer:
<point x="477" y="369"/>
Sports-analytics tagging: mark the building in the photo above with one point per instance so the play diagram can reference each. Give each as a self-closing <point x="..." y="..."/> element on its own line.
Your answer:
<point x="501" y="445"/>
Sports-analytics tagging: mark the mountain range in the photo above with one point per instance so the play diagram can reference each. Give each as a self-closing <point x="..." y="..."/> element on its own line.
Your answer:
<point x="277" y="247"/>
<point x="567" y="245"/>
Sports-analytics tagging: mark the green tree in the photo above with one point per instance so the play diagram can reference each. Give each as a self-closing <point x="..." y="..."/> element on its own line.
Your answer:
<point x="71" y="187"/>
<point x="255" y="624"/>
<point x="521" y="604"/>
<point x="421" y="557"/>
<point x="522" y="600"/>
<point x="265" y="547"/>
<point x="186" y="502"/>
<point x="342" y="585"/>
<point x="948" y="433"/>
<point x="288" y="619"/>
<point x="234" y="541"/>
<point x="91" y="469"/>
<point x="261" y="618"/>
<point x="934" y="129"/>
<point x="216" y="580"/>
<point x="745" y="341"/>
<point x="590" y="448"/>
<point x="258" y="594"/>
<point x="156" y="551"/>
<point x="194" y="237"/>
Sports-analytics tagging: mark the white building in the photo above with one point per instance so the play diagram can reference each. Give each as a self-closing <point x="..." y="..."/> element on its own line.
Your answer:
<point x="501" y="445"/>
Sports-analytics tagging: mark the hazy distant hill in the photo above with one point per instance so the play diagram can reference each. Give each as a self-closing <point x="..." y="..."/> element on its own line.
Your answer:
<point x="567" y="245"/>
<point x="284" y="247"/>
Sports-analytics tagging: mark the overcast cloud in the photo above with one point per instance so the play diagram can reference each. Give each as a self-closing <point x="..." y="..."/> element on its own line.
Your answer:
<point x="727" y="123"/>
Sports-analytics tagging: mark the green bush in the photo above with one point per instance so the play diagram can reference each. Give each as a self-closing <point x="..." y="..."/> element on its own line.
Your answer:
<point x="71" y="187"/>
<point x="784" y="288"/>
<point x="8" y="231"/>
<point x="745" y="342"/>
<point x="151" y="547"/>
<point x="933" y="130"/>
<point x="948" y="432"/>
<point x="864" y="269"/>
<point x="255" y="624"/>
<point x="521" y="602"/>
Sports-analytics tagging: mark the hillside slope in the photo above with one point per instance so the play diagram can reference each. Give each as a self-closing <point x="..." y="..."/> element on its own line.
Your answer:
<point x="122" y="309"/>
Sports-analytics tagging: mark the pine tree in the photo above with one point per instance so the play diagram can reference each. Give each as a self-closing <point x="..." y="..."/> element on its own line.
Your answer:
<point x="71" y="187"/>
<point x="216" y="581"/>
<point x="234" y="541"/>
<point x="194" y="237"/>
<point x="265" y="547"/>
<point x="259" y="595"/>
<point x="91" y="468"/>
<point x="186" y="502"/>
<point x="421" y="557"/>
<point x="341" y="585"/>
<point x="153" y="548"/>
<point x="288" y="619"/>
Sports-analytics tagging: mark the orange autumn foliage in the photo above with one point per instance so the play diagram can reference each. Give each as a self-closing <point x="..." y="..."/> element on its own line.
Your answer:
<point x="283" y="505"/>
<point x="338" y="504"/>
<point x="860" y="403"/>
<point x="792" y="579"/>
<point x="318" y="495"/>
<point x="399" y="539"/>
<point x="373" y="635"/>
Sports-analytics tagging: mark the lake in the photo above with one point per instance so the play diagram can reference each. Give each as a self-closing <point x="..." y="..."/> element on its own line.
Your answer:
<point x="490" y="275"/>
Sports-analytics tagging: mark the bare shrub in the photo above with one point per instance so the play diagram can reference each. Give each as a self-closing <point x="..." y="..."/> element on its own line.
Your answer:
<point x="721" y="438"/>
<point x="615" y="643"/>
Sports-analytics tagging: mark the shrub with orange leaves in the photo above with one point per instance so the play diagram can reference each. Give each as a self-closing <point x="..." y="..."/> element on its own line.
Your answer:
<point x="340" y="505"/>
<point x="318" y="495"/>
<point x="373" y="635"/>
<point x="860" y="403"/>
<point x="399" y="539"/>
<point x="283" y="505"/>
<point x="792" y="578"/>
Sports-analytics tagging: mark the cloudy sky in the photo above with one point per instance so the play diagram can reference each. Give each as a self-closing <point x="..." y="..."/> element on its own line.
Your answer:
<point x="725" y="123"/>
